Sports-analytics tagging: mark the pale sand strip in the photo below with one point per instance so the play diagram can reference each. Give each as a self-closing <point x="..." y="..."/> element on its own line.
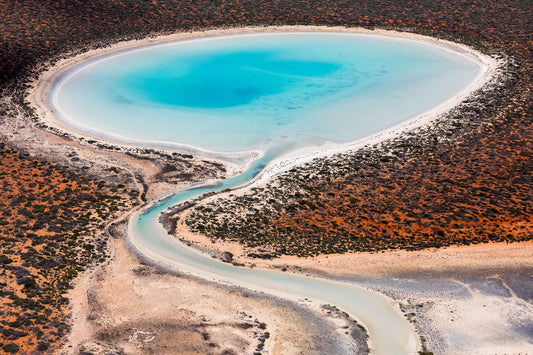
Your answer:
<point x="46" y="110"/>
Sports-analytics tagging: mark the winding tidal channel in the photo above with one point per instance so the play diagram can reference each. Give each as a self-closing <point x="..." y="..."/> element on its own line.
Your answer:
<point x="389" y="331"/>
<point x="272" y="94"/>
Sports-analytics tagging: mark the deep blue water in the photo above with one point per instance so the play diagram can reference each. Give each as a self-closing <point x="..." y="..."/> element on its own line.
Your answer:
<point x="224" y="80"/>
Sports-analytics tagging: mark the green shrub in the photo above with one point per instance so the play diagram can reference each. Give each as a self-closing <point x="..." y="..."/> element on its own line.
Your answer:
<point x="11" y="348"/>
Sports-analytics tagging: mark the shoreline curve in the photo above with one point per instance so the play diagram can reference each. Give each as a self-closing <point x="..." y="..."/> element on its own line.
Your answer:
<point x="42" y="99"/>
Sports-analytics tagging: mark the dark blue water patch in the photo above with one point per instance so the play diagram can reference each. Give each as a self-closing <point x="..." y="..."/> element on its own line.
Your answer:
<point x="228" y="79"/>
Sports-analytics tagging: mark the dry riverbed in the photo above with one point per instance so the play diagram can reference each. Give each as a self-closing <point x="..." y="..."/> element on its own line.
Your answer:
<point x="472" y="299"/>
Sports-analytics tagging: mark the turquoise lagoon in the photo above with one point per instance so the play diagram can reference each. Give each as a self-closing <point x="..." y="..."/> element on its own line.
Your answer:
<point x="258" y="91"/>
<point x="271" y="92"/>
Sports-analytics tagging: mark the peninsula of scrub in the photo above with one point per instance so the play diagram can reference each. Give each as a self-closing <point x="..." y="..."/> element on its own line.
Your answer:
<point x="450" y="184"/>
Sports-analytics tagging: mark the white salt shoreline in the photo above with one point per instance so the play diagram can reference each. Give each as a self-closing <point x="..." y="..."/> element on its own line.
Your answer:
<point x="48" y="112"/>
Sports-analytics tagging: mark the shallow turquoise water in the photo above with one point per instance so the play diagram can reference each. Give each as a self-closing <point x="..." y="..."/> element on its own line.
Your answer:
<point x="246" y="92"/>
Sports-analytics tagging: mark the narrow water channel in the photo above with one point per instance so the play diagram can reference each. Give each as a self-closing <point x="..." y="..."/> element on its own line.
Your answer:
<point x="388" y="330"/>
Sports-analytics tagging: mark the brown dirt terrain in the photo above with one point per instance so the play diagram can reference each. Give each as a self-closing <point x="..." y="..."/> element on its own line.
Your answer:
<point x="52" y="228"/>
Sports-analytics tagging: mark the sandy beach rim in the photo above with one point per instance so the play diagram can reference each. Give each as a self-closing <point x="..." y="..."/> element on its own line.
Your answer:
<point x="39" y="96"/>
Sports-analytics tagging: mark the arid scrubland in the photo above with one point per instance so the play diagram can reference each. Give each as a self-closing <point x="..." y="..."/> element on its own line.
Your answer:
<point x="469" y="181"/>
<point x="52" y="226"/>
